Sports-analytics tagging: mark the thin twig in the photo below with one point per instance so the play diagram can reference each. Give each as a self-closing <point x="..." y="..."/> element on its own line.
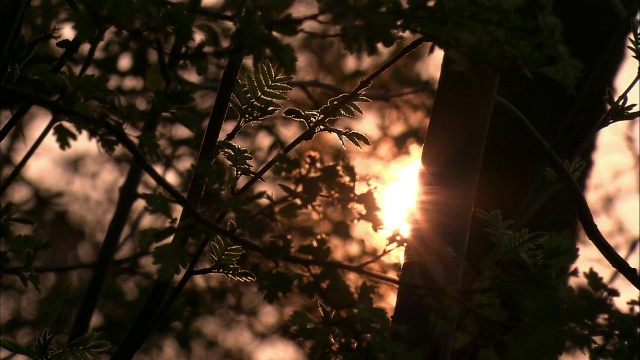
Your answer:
<point x="16" y="171"/>
<point x="605" y="120"/>
<point x="92" y="51"/>
<point x="74" y="267"/>
<point x="310" y="132"/>
<point x="384" y="253"/>
<point x="22" y="111"/>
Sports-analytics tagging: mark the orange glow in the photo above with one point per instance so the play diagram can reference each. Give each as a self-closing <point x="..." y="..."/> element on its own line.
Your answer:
<point x="398" y="194"/>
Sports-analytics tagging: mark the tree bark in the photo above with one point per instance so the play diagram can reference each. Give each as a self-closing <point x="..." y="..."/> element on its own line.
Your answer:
<point x="451" y="161"/>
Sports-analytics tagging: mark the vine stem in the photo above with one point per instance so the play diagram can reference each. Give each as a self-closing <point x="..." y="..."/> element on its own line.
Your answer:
<point x="582" y="207"/>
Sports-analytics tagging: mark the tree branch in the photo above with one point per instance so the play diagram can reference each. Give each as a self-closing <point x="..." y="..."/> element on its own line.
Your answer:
<point x="22" y="111"/>
<point x="311" y="131"/>
<point x="582" y="207"/>
<point x="36" y="144"/>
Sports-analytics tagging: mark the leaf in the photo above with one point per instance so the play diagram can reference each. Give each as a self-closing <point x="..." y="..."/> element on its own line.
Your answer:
<point x="87" y="347"/>
<point x="360" y="137"/>
<point x="64" y="136"/>
<point x="149" y="145"/>
<point x="225" y="256"/>
<point x="259" y="95"/>
<point x="22" y="243"/>
<point x="353" y="137"/>
<point x="238" y="158"/>
<point x="63" y="44"/>
<point x="171" y="258"/>
<point x="149" y="236"/>
<point x="290" y="210"/>
<point x="318" y="250"/>
<point x="157" y="204"/>
<point x="297" y="114"/>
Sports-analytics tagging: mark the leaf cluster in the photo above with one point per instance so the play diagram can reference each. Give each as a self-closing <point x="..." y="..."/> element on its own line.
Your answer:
<point x="361" y="331"/>
<point x="19" y="250"/>
<point x="313" y="184"/>
<point x="523" y="307"/>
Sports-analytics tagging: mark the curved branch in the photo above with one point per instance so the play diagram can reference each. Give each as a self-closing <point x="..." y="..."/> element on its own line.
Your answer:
<point x="582" y="207"/>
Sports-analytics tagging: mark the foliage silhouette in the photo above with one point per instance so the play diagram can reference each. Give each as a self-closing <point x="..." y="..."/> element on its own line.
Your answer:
<point x="248" y="177"/>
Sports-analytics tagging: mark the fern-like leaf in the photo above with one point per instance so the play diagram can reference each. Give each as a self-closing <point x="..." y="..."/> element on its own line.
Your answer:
<point x="508" y="241"/>
<point x="260" y="95"/>
<point x="225" y="256"/>
<point x="239" y="158"/>
<point x="86" y="347"/>
<point x="341" y="106"/>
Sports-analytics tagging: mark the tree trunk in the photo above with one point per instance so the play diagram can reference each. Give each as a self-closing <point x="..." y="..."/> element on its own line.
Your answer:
<point x="510" y="178"/>
<point x="451" y="161"/>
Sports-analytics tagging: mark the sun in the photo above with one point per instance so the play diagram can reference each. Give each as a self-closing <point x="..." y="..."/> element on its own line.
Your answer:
<point x="398" y="193"/>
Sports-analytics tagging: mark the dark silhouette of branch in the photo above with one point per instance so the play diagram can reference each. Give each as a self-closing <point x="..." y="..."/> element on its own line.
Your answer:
<point x="310" y="132"/>
<point x="582" y="207"/>
<point x="384" y="253"/>
<point x="71" y="50"/>
<point x="74" y="267"/>
<point x="16" y="171"/>
<point x="632" y="249"/>
<point x="128" y="195"/>
<point x="142" y="326"/>
<point x="92" y="51"/>
<point x="36" y="144"/>
<point x="14" y="12"/>
<point x="202" y="219"/>
<point x="304" y="85"/>
<point x="164" y="307"/>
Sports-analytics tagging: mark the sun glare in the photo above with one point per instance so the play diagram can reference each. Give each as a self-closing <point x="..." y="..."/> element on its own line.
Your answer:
<point x="398" y="195"/>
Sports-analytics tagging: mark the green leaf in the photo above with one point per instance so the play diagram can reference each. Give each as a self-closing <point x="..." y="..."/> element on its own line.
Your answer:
<point x="171" y="258"/>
